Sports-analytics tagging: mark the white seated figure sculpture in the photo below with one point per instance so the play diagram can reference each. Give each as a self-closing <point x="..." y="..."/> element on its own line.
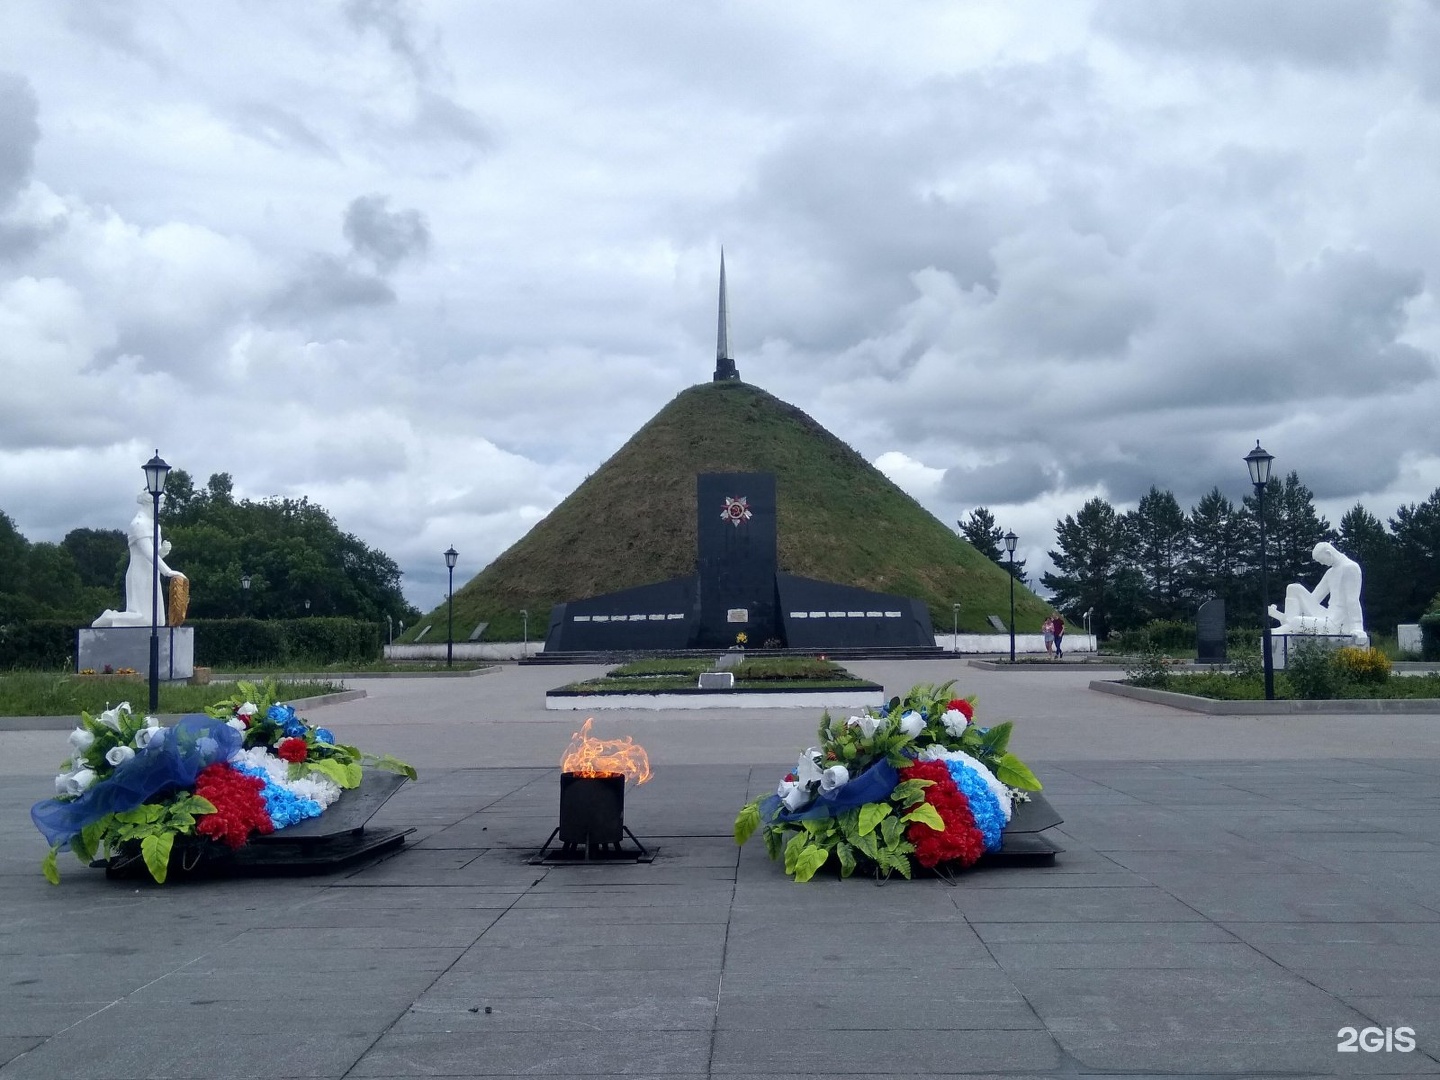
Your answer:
<point x="138" y="580"/>
<point x="1305" y="610"/>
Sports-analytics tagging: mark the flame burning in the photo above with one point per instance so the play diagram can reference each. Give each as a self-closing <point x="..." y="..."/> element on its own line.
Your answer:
<point x="588" y="756"/>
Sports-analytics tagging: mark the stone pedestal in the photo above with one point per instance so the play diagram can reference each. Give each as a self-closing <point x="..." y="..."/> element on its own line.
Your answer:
<point x="129" y="647"/>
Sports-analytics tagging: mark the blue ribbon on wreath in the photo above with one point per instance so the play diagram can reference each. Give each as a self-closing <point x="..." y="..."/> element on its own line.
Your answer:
<point x="172" y="761"/>
<point x="873" y="785"/>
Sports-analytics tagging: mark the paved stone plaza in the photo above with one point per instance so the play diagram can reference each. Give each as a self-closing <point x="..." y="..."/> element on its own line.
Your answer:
<point x="1235" y="891"/>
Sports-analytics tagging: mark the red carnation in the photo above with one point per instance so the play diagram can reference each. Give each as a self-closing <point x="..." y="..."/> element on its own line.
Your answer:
<point x="239" y="807"/>
<point x="962" y="841"/>
<point x="960" y="705"/>
<point x="292" y="750"/>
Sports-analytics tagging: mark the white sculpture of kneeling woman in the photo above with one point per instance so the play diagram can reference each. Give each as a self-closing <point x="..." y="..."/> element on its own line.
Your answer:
<point x="139" y="582"/>
<point x="1305" y="610"/>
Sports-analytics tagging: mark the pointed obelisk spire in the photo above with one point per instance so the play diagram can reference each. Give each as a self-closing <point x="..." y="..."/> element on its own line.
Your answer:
<point x="724" y="365"/>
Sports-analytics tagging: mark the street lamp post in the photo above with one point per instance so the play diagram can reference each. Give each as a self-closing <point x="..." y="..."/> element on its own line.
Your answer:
<point x="955" y="629"/>
<point x="450" y="556"/>
<point x="1010" y="541"/>
<point x="524" y="632"/>
<point x="244" y="595"/>
<point x="1088" y="634"/>
<point x="1258" y="461"/>
<point x="155" y="473"/>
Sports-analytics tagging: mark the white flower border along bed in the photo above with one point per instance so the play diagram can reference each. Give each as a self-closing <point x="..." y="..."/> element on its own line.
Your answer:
<point x="872" y="695"/>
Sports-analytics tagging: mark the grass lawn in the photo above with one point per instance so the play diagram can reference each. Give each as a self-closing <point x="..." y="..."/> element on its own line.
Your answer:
<point x="1224" y="687"/>
<point x="762" y="673"/>
<point x="38" y="694"/>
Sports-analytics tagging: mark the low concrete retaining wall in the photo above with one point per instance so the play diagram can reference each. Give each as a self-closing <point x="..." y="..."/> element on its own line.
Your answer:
<point x="956" y="643"/>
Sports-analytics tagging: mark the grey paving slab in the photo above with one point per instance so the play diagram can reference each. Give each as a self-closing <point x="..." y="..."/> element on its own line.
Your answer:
<point x="561" y="1053"/>
<point x="544" y="1002"/>
<point x="911" y="1053"/>
<point x="1210" y="916"/>
<point x="12" y="1046"/>
<point x="199" y="1056"/>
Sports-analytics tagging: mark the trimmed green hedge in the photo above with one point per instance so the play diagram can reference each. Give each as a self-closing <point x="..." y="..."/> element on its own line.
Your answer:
<point x="39" y="645"/>
<point x="1430" y="636"/>
<point x="246" y="642"/>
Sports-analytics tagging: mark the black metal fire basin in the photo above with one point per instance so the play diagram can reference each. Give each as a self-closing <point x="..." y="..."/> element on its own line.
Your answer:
<point x="592" y="822"/>
<point x="592" y="809"/>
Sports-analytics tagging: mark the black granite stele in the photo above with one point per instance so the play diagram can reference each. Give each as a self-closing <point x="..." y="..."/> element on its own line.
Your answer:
<point x="738" y="588"/>
<point x="1210" y="632"/>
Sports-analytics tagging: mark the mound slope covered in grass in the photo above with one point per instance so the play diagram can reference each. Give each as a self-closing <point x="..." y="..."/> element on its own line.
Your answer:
<point x="632" y="522"/>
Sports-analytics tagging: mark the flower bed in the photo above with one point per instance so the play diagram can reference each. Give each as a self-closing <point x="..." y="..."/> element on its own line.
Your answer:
<point x="248" y="766"/>
<point x="916" y="782"/>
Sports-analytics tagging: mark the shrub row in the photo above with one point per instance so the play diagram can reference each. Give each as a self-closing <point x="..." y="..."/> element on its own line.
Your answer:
<point x="37" y="644"/>
<point x="1430" y="636"/>
<point x="49" y="644"/>
<point x="247" y="642"/>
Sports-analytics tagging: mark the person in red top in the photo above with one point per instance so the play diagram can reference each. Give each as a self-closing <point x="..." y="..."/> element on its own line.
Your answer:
<point x="1057" y="626"/>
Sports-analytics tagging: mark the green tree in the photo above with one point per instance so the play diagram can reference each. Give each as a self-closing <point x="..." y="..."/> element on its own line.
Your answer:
<point x="1095" y="570"/>
<point x="1417" y="540"/>
<point x="14" y="550"/>
<point x="1158" y="539"/>
<point x="1216" y="557"/>
<point x="1364" y="538"/>
<point x="1293" y="528"/>
<point x="100" y="556"/>
<point x="988" y="538"/>
<point x="292" y="550"/>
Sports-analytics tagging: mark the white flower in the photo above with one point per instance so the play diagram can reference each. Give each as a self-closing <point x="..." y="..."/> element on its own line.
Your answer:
<point x="315" y="787"/>
<point x="834" y="777"/>
<point x="954" y="721"/>
<point x="1003" y="795"/>
<point x="81" y="739"/>
<point x="149" y="734"/>
<point x="111" y="717"/>
<point x="912" y="724"/>
<point x="807" y="769"/>
<point x="248" y="709"/>
<point x="79" y="783"/>
<point x="866" y="724"/>
<point x="62" y="784"/>
<point x="793" y="795"/>
<point x="237" y="724"/>
<point x="118" y="755"/>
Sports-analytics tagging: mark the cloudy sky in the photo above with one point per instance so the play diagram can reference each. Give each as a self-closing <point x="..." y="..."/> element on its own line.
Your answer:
<point x="431" y="263"/>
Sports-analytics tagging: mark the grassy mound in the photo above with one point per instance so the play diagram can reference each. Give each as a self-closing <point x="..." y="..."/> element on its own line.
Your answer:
<point x="632" y="522"/>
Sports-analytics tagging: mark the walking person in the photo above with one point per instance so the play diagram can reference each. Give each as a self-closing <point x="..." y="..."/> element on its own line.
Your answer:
<point x="1048" y="626"/>
<point x="1057" y="629"/>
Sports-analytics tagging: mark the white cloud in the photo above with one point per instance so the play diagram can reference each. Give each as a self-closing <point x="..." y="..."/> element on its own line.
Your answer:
<point x="430" y="266"/>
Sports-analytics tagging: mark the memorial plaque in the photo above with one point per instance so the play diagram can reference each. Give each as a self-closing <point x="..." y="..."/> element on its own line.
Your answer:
<point x="1210" y="632"/>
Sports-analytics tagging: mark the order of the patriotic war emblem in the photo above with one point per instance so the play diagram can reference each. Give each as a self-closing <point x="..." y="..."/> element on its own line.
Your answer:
<point x="737" y="511"/>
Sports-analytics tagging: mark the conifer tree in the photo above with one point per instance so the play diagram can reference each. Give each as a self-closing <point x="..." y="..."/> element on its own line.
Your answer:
<point x="1095" y="569"/>
<point x="986" y="537"/>
<point x="1417" y="540"/>
<point x="1158" y="534"/>
<point x="1216" y="556"/>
